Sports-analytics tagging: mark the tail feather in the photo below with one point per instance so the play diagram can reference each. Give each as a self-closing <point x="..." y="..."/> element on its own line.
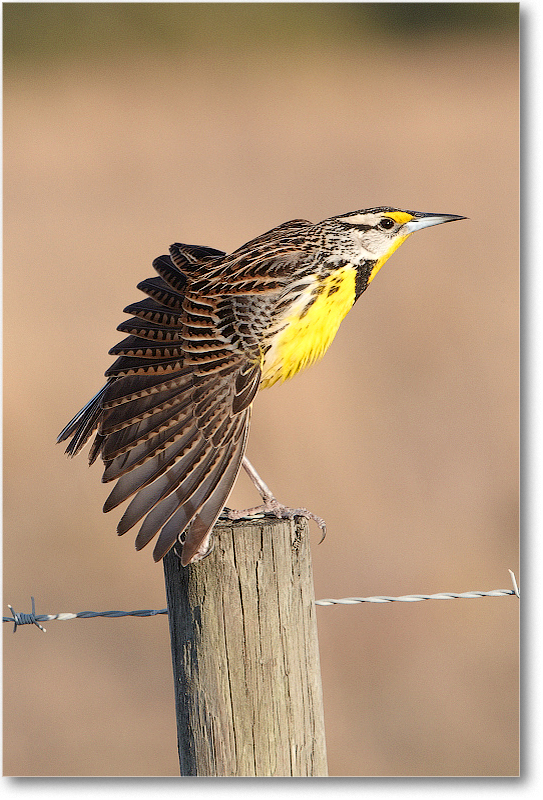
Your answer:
<point x="83" y="425"/>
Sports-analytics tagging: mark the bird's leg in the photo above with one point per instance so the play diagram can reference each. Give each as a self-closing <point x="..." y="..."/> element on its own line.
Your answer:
<point x="270" y="504"/>
<point x="264" y="491"/>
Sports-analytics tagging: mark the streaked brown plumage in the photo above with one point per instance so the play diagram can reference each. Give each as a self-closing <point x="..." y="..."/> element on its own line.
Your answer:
<point x="173" y="418"/>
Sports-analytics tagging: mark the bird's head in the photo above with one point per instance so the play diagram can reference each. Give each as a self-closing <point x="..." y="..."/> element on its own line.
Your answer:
<point x="380" y="231"/>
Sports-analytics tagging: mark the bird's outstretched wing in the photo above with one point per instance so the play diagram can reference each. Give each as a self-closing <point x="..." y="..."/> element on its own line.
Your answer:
<point x="173" y="418"/>
<point x="264" y="265"/>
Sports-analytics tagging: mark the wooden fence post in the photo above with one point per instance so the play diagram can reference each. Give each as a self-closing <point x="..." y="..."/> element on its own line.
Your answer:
<point x="245" y="654"/>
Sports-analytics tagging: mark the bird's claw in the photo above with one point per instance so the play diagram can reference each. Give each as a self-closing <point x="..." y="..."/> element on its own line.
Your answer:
<point x="273" y="506"/>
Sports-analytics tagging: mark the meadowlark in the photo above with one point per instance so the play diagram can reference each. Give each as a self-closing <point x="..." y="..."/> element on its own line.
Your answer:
<point x="173" y="418"/>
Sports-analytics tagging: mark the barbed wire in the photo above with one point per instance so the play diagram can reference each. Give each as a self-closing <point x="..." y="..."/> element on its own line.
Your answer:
<point x="19" y="619"/>
<point x="35" y="619"/>
<point x="413" y="598"/>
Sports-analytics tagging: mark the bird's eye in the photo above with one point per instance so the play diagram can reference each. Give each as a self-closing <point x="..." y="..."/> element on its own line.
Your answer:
<point x="386" y="223"/>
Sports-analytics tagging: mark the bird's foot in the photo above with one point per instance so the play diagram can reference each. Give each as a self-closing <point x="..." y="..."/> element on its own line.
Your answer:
<point x="273" y="506"/>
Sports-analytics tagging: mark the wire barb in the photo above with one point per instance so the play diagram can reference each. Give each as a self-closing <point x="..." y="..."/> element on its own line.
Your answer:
<point x="24" y="619"/>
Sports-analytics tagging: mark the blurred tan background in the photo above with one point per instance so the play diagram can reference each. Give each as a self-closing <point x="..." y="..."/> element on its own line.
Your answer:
<point x="128" y="127"/>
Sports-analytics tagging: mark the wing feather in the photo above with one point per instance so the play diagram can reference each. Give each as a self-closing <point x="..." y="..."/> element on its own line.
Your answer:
<point x="196" y="544"/>
<point x="161" y="512"/>
<point x="148" y="310"/>
<point x="184" y="472"/>
<point x="139" y="409"/>
<point x="153" y="468"/>
<point x="215" y="488"/>
<point x="133" y="387"/>
<point x="262" y="266"/>
<point x="172" y="420"/>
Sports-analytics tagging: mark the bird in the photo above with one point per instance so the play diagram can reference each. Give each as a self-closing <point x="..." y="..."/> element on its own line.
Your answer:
<point x="171" y="422"/>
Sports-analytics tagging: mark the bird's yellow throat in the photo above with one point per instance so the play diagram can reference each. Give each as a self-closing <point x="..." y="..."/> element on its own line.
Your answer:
<point x="397" y="242"/>
<point x="307" y="336"/>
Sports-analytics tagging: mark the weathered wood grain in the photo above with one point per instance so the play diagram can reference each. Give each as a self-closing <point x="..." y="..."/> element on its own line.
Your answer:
<point x="245" y="654"/>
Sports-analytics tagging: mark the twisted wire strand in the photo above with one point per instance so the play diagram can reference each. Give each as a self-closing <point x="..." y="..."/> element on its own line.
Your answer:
<point x="414" y="598"/>
<point x="19" y="619"/>
<point x="35" y="619"/>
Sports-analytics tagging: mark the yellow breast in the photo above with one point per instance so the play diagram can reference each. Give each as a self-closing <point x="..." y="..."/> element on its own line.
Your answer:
<point x="306" y="337"/>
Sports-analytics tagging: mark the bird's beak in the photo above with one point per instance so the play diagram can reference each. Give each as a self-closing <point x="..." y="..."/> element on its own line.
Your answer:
<point x="425" y="220"/>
